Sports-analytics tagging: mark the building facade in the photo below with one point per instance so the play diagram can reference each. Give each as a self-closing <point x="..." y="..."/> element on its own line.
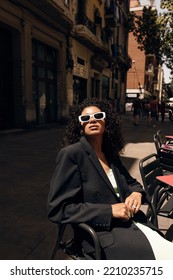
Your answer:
<point x="57" y="52"/>
<point x="144" y="77"/>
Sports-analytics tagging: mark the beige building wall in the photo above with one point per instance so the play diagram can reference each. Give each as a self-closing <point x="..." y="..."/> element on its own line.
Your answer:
<point x="80" y="51"/>
<point x="24" y="27"/>
<point x="144" y="77"/>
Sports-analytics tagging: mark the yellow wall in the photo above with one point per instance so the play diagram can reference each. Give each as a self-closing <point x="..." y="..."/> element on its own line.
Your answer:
<point x="91" y="5"/>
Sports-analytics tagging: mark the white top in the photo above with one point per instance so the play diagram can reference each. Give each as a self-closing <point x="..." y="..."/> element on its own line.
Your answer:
<point x="113" y="181"/>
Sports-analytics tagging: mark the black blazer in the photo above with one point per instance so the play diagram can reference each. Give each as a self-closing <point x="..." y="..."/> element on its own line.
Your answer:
<point x="80" y="190"/>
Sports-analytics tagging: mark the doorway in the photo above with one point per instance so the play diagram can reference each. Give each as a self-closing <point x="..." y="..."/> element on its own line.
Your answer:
<point x="79" y="89"/>
<point x="6" y="80"/>
<point x="44" y="78"/>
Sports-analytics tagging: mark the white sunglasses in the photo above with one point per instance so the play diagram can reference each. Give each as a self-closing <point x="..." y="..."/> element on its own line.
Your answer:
<point x="96" y="116"/>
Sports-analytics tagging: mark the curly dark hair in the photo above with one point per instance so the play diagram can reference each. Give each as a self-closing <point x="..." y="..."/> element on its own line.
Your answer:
<point x="113" y="141"/>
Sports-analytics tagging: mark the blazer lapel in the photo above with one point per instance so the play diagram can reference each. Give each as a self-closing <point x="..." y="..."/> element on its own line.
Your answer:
<point x="96" y="163"/>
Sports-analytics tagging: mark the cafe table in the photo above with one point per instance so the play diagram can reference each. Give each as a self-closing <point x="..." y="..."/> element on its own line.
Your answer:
<point x="168" y="179"/>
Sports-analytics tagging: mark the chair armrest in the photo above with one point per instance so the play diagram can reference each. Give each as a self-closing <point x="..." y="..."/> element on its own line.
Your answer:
<point x="153" y="214"/>
<point x="94" y="237"/>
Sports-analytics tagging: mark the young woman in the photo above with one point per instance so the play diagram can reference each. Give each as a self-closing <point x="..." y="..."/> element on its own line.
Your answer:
<point x="91" y="185"/>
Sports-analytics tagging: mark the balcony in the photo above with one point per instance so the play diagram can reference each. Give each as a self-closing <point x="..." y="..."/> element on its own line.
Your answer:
<point x="150" y="65"/>
<point x="119" y="54"/>
<point x="149" y="71"/>
<point x="85" y="21"/>
<point x="110" y="14"/>
<point x="98" y="20"/>
<point x="91" y="34"/>
<point x="115" y="50"/>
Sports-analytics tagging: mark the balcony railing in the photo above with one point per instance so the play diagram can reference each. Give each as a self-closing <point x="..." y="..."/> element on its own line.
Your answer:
<point x="110" y="14"/>
<point x="111" y="8"/>
<point x="92" y="26"/>
<point x="87" y="22"/>
<point x="115" y="50"/>
<point x="118" y="50"/>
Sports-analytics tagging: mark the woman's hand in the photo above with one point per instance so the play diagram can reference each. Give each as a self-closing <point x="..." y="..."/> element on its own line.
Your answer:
<point x="122" y="211"/>
<point x="133" y="201"/>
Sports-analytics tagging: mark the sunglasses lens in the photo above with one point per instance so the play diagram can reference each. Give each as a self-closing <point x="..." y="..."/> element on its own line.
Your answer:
<point x="99" y="116"/>
<point x="85" y="118"/>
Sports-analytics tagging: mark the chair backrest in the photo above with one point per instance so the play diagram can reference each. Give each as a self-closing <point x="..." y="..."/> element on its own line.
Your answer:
<point x="157" y="191"/>
<point x="165" y="155"/>
<point x="70" y="246"/>
<point x="150" y="168"/>
<point x="157" y="142"/>
<point x="166" y="159"/>
<point x="161" y="137"/>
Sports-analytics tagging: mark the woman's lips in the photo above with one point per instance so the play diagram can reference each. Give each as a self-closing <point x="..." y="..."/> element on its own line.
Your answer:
<point x="93" y="127"/>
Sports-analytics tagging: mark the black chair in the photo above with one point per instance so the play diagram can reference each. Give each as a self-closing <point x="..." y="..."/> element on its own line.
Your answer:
<point x="166" y="159"/>
<point x="162" y="139"/>
<point x="160" y="194"/>
<point x="165" y="153"/>
<point x="157" y="142"/>
<point x="70" y="247"/>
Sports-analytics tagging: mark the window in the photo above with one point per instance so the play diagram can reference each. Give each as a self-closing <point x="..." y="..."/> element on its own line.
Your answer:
<point x="44" y="75"/>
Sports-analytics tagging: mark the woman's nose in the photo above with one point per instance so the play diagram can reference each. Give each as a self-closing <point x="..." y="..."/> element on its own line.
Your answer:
<point x="92" y="119"/>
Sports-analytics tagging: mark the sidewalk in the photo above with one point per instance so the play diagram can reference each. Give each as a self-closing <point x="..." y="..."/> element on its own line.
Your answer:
<point x="27" y="160"/>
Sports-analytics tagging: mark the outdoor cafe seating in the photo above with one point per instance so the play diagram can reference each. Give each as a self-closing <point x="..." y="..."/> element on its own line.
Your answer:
<point x="164" y="149"/>
<point x="159" y="189"/>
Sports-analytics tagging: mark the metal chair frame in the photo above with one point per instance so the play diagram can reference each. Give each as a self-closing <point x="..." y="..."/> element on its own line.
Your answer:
<point x="63" y="245"/>
<point x="160" y="194"/>
<point x="165" y="155"/>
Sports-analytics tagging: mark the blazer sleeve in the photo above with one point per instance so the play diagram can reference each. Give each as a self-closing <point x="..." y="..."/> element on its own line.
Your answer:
<point x="66" y="202"/>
